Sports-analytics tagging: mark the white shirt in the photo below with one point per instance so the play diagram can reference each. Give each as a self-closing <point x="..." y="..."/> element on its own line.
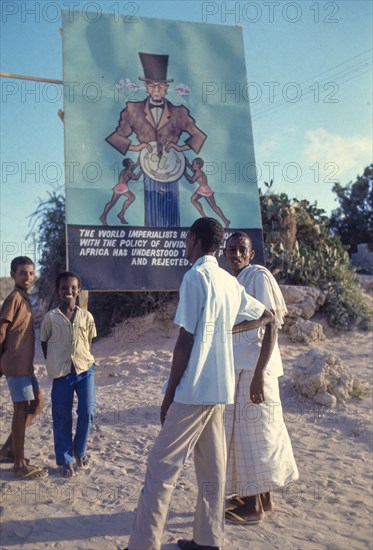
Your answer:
<point x="259" y="282"/>
<point x="210" y="300"/>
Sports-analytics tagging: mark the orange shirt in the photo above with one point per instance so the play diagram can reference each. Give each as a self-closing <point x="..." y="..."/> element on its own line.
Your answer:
<point x="18" y="341"/>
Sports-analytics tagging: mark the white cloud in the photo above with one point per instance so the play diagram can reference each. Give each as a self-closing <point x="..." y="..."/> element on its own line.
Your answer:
<point x="350" y="155"/>
<point x="271" y="143"/>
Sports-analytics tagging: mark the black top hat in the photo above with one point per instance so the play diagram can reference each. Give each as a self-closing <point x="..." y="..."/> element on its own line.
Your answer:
<point x="155" y="67"/>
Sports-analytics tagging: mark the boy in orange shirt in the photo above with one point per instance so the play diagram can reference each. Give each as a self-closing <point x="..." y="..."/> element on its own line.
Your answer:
<point x="17" y="347"/>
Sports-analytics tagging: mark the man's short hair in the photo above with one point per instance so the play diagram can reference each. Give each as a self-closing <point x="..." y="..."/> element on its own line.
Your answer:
<point x="239" y="235"/>
<point x="199" y="161"/>
<point x="65" y="275"/>
<point x="210" y="232"/>
<point x="20" y="260"/>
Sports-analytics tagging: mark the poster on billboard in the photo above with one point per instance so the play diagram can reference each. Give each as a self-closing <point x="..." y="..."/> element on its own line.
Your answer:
<point x="157" y="134"/>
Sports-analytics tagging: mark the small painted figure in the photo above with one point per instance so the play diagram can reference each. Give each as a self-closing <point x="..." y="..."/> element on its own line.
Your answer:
<point x="121" y="188"/>
<point x="204" y="190"/>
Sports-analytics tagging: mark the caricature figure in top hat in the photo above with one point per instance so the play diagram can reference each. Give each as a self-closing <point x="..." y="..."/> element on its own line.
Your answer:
<point x="155" y="120"/>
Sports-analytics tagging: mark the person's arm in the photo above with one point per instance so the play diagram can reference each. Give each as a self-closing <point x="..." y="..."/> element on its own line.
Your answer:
<point x="191" y="179"/>
<point x="135" y="177"/>
<point x="257" y="383"/>
<point x="180" y="148"/>
<point x="264" y="289"/>
<point x="140" y="146"/>
<point x="4" y="325"/>
<point x="187" y="164"/>
<point x="45" y="334"/>
<point x="92" y="331"/>
<point x="8" y="313"/>
<point x="44" y="347"/>
<point x="266" y="318"/>
<point x="182" y="351"/>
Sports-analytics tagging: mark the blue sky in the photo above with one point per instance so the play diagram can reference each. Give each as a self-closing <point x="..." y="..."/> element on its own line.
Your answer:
<point x="310" y="89"/>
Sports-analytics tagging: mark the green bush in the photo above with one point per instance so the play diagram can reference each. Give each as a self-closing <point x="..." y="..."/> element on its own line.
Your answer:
<point x="49" y="220"/>
<point x="301" y="249"/>
<point x="353" y="219"/>
<point x="346" y="304"/>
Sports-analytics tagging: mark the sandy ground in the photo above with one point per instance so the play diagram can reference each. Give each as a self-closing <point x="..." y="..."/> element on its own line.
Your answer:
<point x="330" y="507"/>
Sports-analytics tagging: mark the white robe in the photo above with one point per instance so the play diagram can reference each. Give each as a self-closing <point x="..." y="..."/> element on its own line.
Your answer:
<point x="260" y="456"/>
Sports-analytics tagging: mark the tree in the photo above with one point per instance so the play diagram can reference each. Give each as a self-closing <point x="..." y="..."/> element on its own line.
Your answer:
<point x="353" y="219"/>
<point x="301" y="249"/>
<point x="49" y="219"/>
<point x="108" y="308"/>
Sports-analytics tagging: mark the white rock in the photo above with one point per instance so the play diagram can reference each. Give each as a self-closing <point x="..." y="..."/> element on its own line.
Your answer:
<point x="302" y="302"/>
<point x="325" y="398"/>
<point x="293" y="311"/>
<point x="305" y="332"/>
<point x="324" y="377"/>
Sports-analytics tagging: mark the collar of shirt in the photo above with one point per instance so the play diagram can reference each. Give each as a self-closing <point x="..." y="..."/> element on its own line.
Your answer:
<point x="159" y="105"/>
<point x="57" y="310"/>
<point x="204" y="259"/>
<point x="22" y="292"/>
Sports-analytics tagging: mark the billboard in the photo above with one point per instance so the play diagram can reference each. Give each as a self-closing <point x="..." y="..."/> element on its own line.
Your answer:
<point x="157" y="134"/>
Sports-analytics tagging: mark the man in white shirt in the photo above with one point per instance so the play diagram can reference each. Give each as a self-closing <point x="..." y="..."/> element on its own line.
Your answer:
<point x="260" y="456"/>
<point x="201" y="383"/>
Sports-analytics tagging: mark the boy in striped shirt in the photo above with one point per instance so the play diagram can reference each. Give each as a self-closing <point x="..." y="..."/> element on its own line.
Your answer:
<point x="66" y="334"/>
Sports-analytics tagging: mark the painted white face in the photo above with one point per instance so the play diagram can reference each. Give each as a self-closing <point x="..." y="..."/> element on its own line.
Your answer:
<point x="156" y="90"/>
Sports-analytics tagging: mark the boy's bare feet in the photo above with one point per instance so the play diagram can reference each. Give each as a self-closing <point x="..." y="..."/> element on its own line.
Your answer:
<point x="67" y="471"/>
<point x="30" y="471"/>
<point x="123" y="219"/>
<point x="103" y="220"/>
<point x="83" y="462"/>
